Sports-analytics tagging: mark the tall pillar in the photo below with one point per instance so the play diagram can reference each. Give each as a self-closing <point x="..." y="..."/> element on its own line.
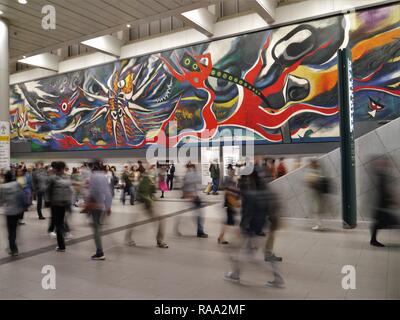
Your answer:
<point x="4" y="72"/>
<point x="4" y="97"/>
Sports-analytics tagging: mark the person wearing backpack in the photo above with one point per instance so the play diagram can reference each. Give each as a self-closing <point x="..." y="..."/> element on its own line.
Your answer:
<point x="60" y="197"/>
<point x="22" y="180"/>
<point x="12" y="199"/>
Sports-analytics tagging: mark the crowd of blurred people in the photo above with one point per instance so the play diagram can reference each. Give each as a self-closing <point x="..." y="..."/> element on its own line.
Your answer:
<point x="252" y="207"/>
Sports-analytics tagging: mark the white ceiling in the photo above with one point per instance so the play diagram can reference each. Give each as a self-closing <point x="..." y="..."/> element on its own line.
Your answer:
<point x="78" y="20"/>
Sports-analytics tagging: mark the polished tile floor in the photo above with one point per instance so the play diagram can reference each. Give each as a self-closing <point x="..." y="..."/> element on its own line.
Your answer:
<point x="193" y="268"/>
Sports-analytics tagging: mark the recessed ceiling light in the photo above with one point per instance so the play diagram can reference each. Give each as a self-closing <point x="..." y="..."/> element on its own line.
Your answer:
<point x="128" y="25"/>
<point x="22" y="1"/>
<point x="24" y="57"/>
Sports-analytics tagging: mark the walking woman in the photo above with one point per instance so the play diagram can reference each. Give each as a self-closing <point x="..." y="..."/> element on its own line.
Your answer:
<point x="162" y="183"/>
<point x="231" y="202"/>
<point x="11" y="197"/>
<point x="60" y="196"/>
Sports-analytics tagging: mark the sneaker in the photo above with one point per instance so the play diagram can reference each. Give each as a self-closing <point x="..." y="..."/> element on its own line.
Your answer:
<point x="231" y="276"/>
<point x="53" y="235"/>
<point x="220" y="241"/>
<point x="21" y="222"/>
<point x="98" y="256"/>
<point x="12" y="253"/>
<point x="202" y="235"/>
<point x="275" y="284"/>
<point x="162" y="245"/>
<point x="317" y="228"/>
<point x="376" y="243"/>
<point x="42" y="218"/>
<point x="131" y="243"/>
<point x="272" y="258"/>
<point x="68" y="236"/>
<point x="58" y="249"/>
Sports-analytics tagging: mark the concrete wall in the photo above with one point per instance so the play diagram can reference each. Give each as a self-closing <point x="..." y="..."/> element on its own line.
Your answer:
<point x="382" y="141"/>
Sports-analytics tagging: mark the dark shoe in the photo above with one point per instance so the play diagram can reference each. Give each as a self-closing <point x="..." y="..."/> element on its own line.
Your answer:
<point x="42" y="218"/>
<point x="261" y="234"/>
<point x="12" y="253"/>
<point x="376" y="243"/>
<point x="232" y="276"/>
<point x="98" y="256"/>
<point x="275" y="284"/>
<point x="161" y="244"/>
<point x="222" y="241"/>
<point x="21" y="223"/>
<point x="202" y="235"/>
<point x="272" y="258"/>
<point x="60" y="250"/>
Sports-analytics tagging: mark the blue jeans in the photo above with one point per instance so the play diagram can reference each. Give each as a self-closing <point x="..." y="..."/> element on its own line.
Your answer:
<point x="131" y="192"/>
<point x="215" y="184"/>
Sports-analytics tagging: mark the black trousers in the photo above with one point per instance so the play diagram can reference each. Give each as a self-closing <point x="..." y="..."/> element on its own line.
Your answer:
<point x="12" y="223"/>
<point x="170" y="181"/>
<point x="52" y="225"/>
<point x="58" y="218"/>
<point x="40" y="197"/>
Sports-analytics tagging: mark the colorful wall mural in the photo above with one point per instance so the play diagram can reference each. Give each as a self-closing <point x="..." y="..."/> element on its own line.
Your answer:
<point x="281" y="84"/>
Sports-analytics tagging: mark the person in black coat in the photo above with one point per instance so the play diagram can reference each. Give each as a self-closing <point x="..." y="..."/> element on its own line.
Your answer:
<point x="385" y="202"/>
<point x="170" y="176"/>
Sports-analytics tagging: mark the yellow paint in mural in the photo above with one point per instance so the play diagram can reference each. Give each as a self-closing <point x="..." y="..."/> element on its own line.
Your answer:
<point x="320" y="80"/>
<point x="380" y="40"/>
<point x="228" y="104"/>
<point x="192" y="99"/>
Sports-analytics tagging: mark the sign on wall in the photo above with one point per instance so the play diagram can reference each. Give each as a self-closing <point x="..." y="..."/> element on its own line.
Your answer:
<point x="4" y="145"/>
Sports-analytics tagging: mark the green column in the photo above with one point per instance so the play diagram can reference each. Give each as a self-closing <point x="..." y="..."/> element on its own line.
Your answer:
<point x="346" y="105"/>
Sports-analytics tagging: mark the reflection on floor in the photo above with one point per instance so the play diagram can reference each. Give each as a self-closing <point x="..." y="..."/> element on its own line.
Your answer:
<point x="193" y="268"/>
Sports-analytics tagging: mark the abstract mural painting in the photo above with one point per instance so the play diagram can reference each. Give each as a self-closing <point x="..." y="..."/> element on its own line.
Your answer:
<point x="280" y="84"/>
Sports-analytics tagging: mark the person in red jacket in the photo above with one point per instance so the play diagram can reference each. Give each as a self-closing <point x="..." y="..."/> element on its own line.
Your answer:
<point x="281" y="170"/>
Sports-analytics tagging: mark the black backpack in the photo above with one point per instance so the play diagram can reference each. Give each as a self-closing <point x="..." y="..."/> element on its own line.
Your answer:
<point x="324" y="185"/>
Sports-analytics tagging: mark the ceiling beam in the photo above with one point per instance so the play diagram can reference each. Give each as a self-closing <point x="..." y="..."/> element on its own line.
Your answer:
<point x="200" y="19"/>
<point x="107" y="44"/>
<point x="47" y="61"/>
<point x="265" y="9"/>
<point x="168" y="13"/>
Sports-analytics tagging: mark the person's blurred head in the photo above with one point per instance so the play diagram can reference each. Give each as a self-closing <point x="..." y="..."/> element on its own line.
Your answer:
<point x="97" y="165"/>
<point x="19" y="172"/>
<point x="314" y="164"/>
<point x="135" y="167"/>
<point x="74" y="170"/>
<point x="281" y="159"/>
<point x="139" y="163"/>
<point x="39" y="164"/>
<point x="58" y="167"/>
<point x="8" y="177"/>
